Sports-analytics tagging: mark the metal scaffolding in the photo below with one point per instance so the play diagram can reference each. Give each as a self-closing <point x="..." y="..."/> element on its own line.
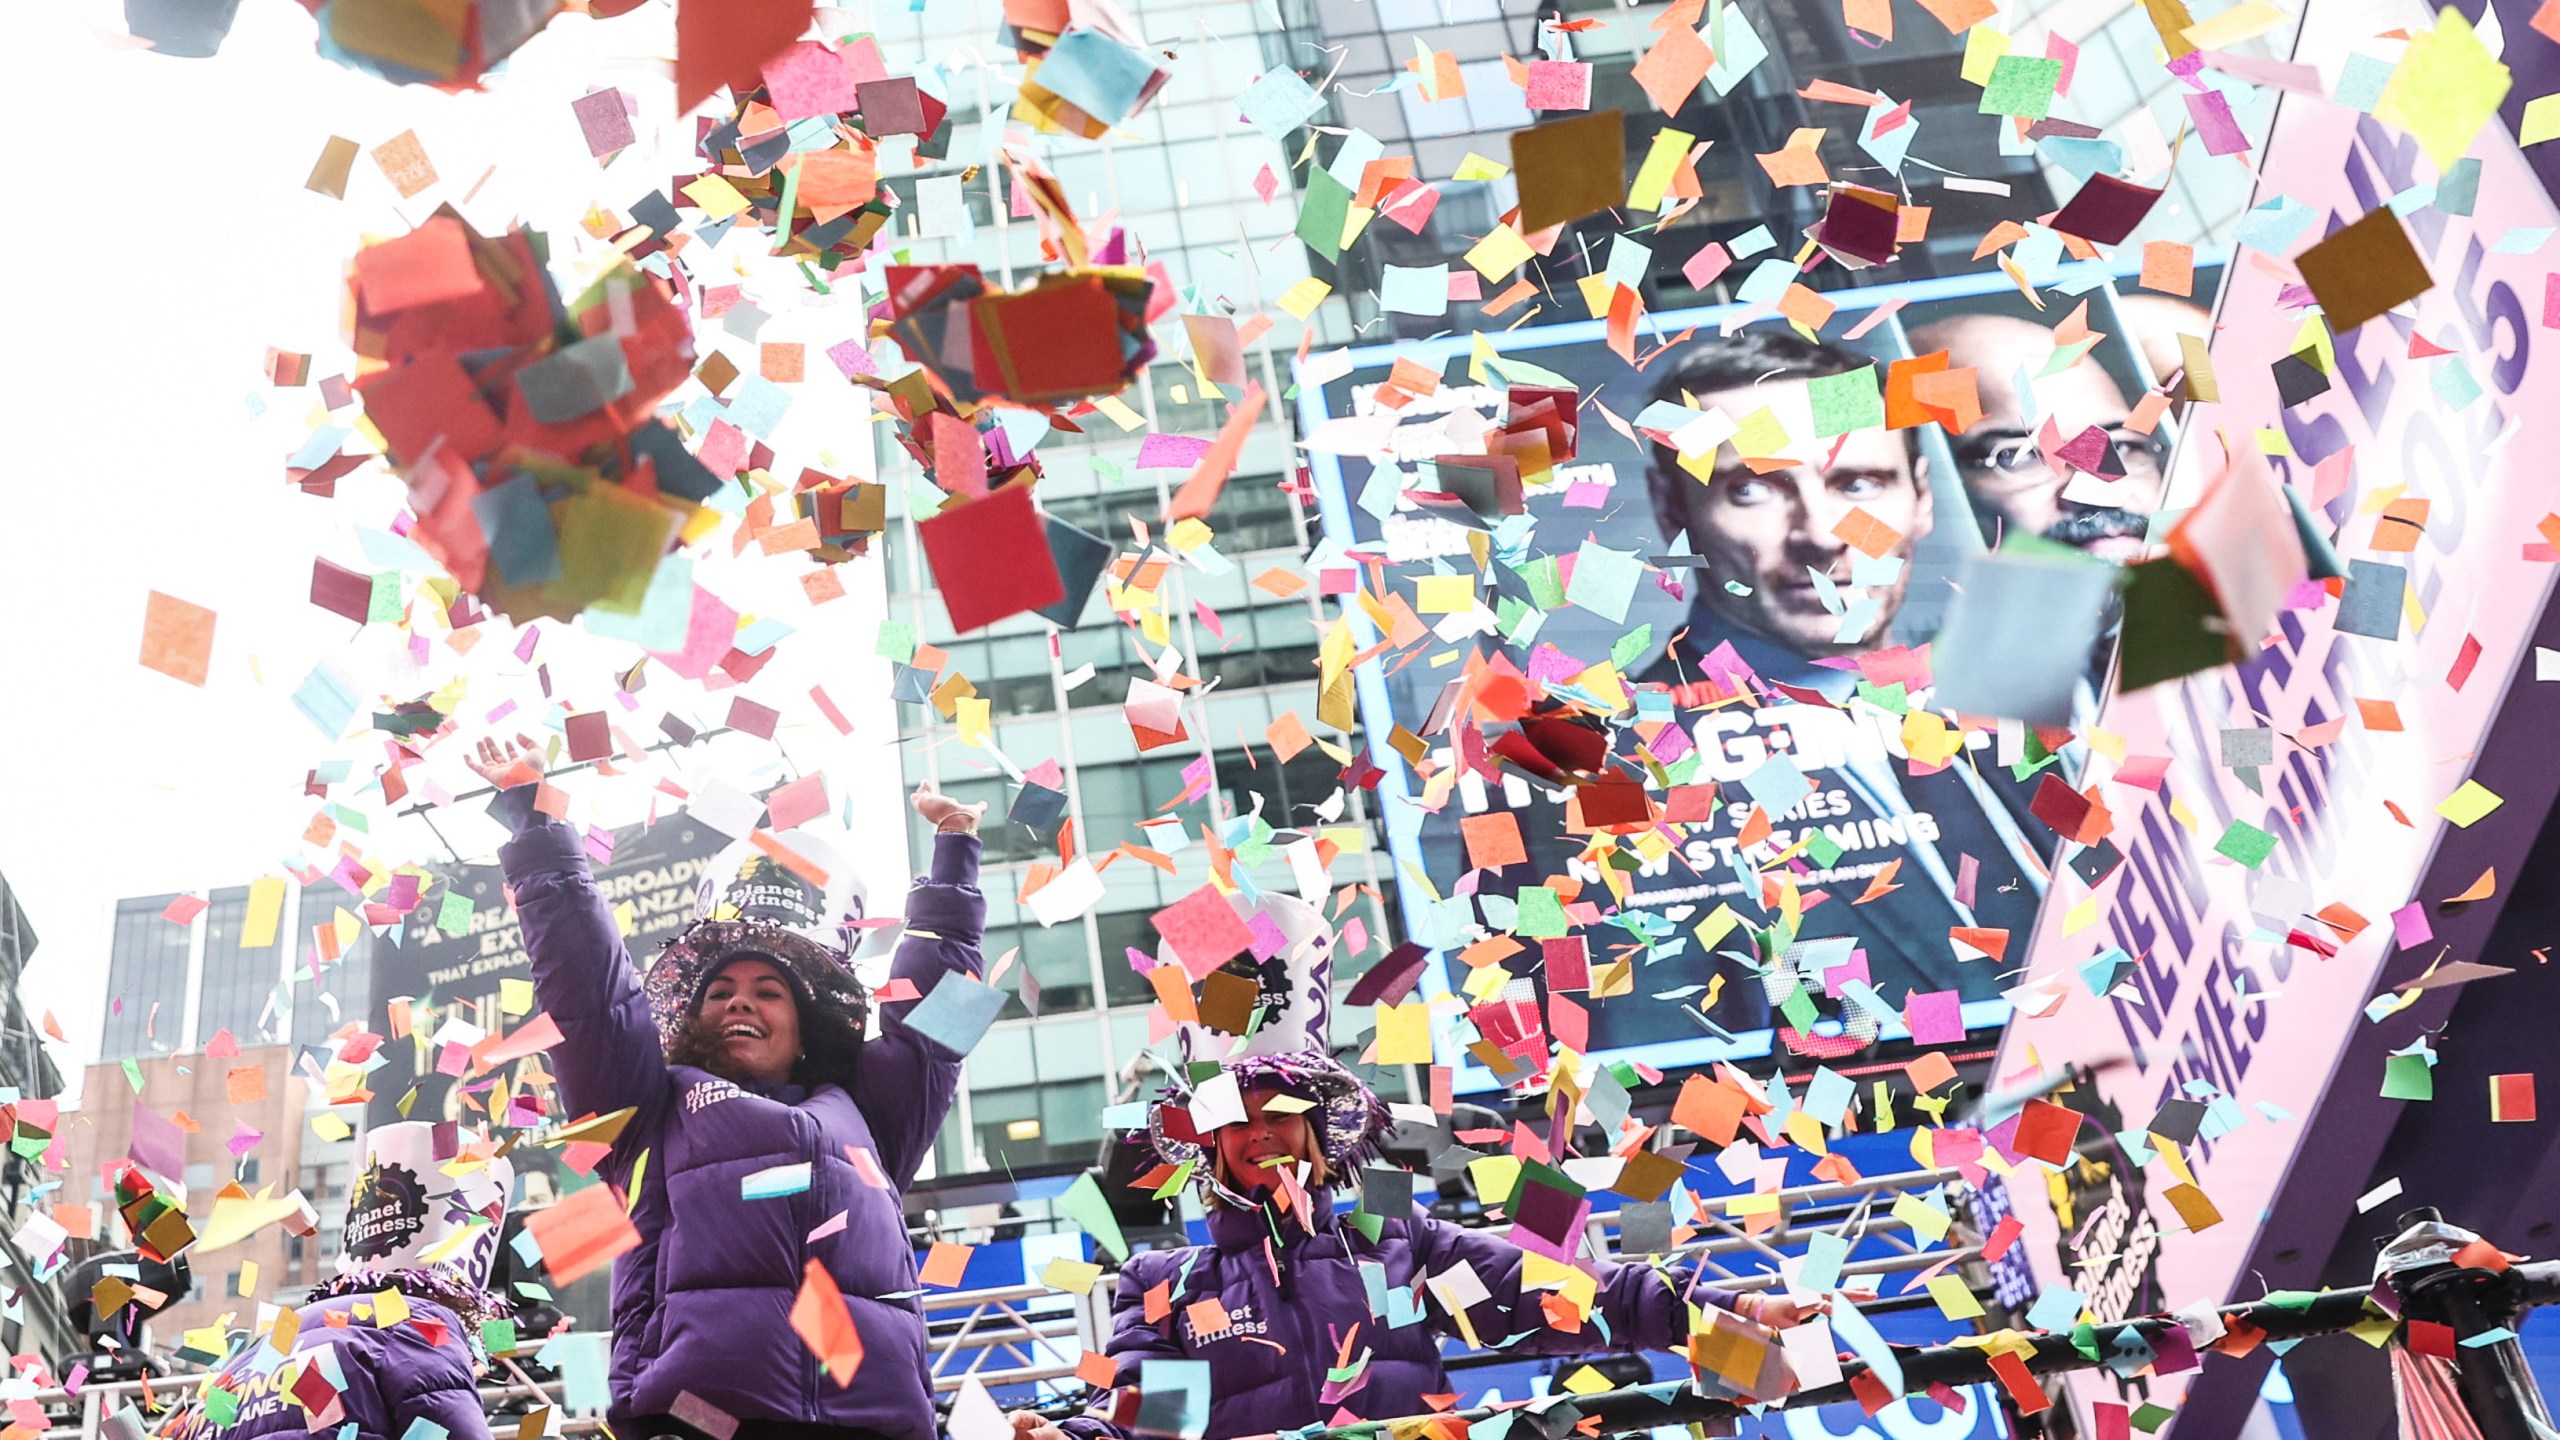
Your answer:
<point x="1024" y="1334"/>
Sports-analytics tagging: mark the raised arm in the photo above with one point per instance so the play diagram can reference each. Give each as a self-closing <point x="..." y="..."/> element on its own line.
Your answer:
<point x="1639" y="1308"/>
<point x="907" y="1081"/>
<point x="609" y="1058"/>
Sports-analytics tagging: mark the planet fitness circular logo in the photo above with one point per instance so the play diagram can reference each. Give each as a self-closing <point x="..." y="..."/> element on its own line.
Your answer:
<point x="388" y="1212"/>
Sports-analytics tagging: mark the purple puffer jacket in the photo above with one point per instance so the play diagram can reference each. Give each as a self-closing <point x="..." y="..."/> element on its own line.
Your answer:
<point x="703" y="1305"/>
<point x="394" y="1378"/>
<point x="1267" y="1366"/>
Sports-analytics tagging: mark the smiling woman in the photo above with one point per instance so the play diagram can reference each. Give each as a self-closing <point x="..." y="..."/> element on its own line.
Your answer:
<point x="750" y="1026"/>
<point x="749" y="1046"/>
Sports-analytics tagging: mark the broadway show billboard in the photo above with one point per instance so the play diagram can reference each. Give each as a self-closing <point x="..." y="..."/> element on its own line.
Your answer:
<point x="1760" y="568"/>
<point x="2207" y="977"/>
<point x="650" y="879"/>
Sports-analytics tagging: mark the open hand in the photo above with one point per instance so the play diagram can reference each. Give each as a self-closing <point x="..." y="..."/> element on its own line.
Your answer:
<point x="944" y="813"/>
<point x="1027" y="1425"/>
<point x="1780" y="1312"/>
<point x="503" y="764"/>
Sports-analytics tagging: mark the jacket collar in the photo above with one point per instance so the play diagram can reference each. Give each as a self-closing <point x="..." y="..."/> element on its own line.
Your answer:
<point x="1234" y="1229"/>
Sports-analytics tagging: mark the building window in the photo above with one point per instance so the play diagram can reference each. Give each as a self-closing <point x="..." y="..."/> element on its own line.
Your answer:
<point x="1122" y="932"/>
<point x="1112" y="651"/>
<point x="1001" y="841"/>
<point x="238" y="980"/>
<point x="1056" y="958"/>
<point x="347" y="980"/>
<point x="1056" y="1123"/>
<point x="1268" y="645"/>
<point x="147" y="973"/>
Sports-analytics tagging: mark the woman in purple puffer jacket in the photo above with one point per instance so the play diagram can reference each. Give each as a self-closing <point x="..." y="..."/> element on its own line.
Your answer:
<point x="393" y="1342"/>
<point x="1304" y="1317"/>
<point x="751" y="1054"/>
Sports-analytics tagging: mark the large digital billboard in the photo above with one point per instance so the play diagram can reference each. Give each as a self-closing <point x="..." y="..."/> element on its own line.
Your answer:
<point x="1781" y="611"/>
<point x="2230" y="990"/>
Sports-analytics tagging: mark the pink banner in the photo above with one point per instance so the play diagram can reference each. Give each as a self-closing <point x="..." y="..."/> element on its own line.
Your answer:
<point x="2213" y="1002"/>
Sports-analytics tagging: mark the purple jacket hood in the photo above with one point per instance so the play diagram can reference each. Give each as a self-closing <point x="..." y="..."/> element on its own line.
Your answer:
<point x="1287" y="1304"/>
<point x="703" y="1305"/>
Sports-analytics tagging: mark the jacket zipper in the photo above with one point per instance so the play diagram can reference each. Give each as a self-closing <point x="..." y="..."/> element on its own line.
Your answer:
<point x="1301" y="1335"/>
<point x="809" y="1364"/>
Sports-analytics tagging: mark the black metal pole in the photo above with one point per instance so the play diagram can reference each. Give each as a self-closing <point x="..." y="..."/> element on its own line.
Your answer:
<point x="2495" y="1384"/>
<point x="1676" y="1403"/>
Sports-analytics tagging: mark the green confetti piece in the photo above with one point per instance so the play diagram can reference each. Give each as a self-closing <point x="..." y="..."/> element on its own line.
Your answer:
<point x="1541" y="915"/>
<point x="2021" y="85"/>
<point x="1845" y="402"/>
<point x="2246" y="843"/>
<point x="453" y="913"/>
<point x="1632" y="646"/>
<point x="2408" y="1077"/>
<point x="1800" y="1009"/>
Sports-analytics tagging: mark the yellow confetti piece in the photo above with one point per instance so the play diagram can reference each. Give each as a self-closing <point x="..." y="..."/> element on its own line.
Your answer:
<point x="1301" y="299"/>
<point x="2541" y="120"/>
<point x="1075" y="1277"/>
<point x="1983" y="47"/>
<point x="2467" y="806"/>
<point x="1653" y="178"/>
<point x="1587" y="1381"/>
<point x="1955" y="1300"/>
<point x="718" y="198"/>
<point x="266" y="907"/>
<point x="2446" y="87"/>
<point x="1404" y="1033"/>
<point x="1499" y="253"/>
<point x="1494" y="1174"/>
<point x="1477" y="167"/>
<point x="1117" y="411"/>
<point x="1925" y="1219"/>
<point x="1761" y="435"/>
<point x="2081" y="916"/>
<point x="2245" y="21"/>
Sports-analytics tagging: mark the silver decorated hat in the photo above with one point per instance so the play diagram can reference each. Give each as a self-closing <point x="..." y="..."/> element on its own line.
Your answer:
<point x="1288" y="1044"/>
<point x="752" y="903"/>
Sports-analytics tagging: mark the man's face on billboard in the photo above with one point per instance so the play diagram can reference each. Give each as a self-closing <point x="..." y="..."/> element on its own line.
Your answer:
<point x="1768" y="532"/>
<point x="2013" y="489"/>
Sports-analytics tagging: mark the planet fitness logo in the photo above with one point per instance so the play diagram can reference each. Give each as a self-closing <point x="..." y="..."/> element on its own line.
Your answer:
<point x="768" y="894"/>
<point x="389" y="1211"/>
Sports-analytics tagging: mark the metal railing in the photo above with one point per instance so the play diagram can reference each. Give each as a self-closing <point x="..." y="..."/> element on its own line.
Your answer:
<point x="2497" y="1389"/>
<point x="1030" y="1334"/>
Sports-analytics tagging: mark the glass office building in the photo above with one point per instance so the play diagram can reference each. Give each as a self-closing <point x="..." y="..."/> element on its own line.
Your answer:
<point x="171" y="988"/>
<point x="2113" y="72"/>
<point x="1036" y="1087"/>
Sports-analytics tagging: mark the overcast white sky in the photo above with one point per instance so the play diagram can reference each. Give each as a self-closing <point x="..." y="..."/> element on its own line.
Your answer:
<point x="162" y="241"/>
